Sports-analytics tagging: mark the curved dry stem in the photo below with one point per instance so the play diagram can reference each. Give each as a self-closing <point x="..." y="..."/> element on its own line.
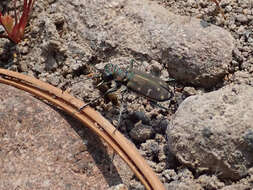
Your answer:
<point x="90" y="118"/>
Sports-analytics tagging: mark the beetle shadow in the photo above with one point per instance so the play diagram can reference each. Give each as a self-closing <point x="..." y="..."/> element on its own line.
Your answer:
<point x="96" y="148"/>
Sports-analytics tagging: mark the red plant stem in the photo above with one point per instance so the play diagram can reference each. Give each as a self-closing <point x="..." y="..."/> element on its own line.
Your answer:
<point x="19" y="27"/>
<point x="25" y="15"/>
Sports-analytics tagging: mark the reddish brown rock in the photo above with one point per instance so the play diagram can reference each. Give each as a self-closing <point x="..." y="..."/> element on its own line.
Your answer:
<point x="43" y="148"/>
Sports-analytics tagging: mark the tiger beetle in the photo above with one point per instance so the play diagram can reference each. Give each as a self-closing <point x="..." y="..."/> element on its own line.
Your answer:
<point x="151" y="87"/>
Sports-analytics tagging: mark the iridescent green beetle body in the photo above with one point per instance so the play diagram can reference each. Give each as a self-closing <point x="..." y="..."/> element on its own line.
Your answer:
<point x="142" y="83"/>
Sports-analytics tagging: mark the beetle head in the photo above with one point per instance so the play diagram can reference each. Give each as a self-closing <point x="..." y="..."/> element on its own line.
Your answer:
<point x="108" y="72"/>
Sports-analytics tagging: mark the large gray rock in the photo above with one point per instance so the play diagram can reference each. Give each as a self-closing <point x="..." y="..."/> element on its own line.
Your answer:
<point x="193" y="51"/>
<point x="214" y="131"/>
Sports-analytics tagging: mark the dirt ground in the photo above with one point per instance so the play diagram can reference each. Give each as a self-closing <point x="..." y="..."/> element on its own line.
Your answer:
<point x="65" y="40"/>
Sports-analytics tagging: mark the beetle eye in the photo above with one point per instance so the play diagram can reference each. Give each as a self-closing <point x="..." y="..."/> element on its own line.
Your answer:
<point x="107" y="76"/>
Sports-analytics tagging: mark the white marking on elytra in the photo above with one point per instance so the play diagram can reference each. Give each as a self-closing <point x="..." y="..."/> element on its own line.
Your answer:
<point x="139" y="89"/>
<point x="162" y="96"/>
<point x="158" y="89"/>
<point x="149" y="91"/>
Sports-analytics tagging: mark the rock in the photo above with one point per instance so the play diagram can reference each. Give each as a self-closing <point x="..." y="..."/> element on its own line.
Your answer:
<point x="161" y="166"/>
<point x="242" y="77"/>
<point x="136" y="185"/>
<point x="162" y="157"/>
<point x="156" y="68"/>
<point x="170" y="175"/>
<point x="151" y="149"/>
<point x="241" y="18"/>
<point x="41" y="146"/>
<point x="139" y="116"/>
<point x="183" y="186"/>
<point x="189" y="91"/>
<point x="184" y="174"/>
<point x="53" y="79"/>
<point x="119" y="187"/>
<point x="194" y="52"/>
<point x="162" y="126"/>
<point x="214" y="131"/>
<point x="237" y="187"/>
<point x="210" y="182"/>
<point x="141" y="132"/>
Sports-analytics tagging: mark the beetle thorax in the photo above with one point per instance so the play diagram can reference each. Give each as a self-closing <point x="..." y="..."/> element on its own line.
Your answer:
<point x="117" y="73"/>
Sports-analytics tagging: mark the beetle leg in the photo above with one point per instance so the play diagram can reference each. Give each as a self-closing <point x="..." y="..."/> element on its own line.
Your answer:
<point x="170" y="80"/>
<point x="132" y="61"/>
<point x="101" y="83"/>
<point x="111" y="90"/>
<point x="131" y="64"/>
<point x="94" y="100"/>
<point x="121" y="107"/>
<point x="158" y="105"/>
